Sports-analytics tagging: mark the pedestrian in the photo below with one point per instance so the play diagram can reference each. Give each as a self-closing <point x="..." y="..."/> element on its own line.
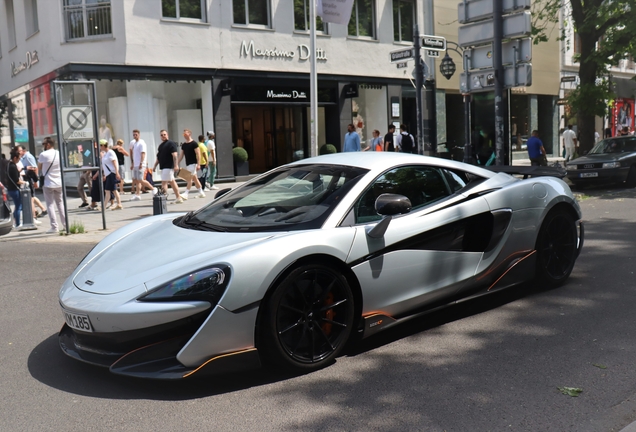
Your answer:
<point x="49" y="164"/>
<point x="190" y="151"/>
<point x="203" y="167"/>
<point x="210" y="144"/>
<point x="111" y="175"/>
<point x="389" y="139"/>
<point x="13" y="185"/>
<point x="624" y="131"/>
<point x="30" y="176"/>
<point x="597" y="137"/>
<point x="351" y="140"/>
<point x="138" y="162"/>
<point x="121" y="153"/>
<point x="85" y="178"/>
<point x="536" y="151"/>
<point x="406" y="142"/>
<point x="569" y="143"/>
<point x="167" y="161"/>
<point x="377" y="144"/>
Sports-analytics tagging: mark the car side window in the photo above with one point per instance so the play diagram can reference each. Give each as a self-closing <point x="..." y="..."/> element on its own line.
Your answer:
<point x="421" y="185"/>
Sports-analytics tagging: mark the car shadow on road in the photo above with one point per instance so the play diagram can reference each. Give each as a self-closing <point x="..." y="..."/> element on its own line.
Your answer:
<point x="49" y="365"/>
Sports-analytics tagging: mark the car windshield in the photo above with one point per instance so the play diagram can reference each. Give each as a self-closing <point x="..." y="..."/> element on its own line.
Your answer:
<point x="289" y="198"/>
<point x="615" y="145"/>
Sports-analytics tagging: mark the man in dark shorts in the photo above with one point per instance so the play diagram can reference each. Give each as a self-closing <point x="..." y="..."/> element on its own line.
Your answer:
<point x="167" y="161"/>
<point x="388" y="139"/>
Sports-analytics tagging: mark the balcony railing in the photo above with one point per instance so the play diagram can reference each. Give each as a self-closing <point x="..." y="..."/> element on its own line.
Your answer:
<point x="87" y="21"/>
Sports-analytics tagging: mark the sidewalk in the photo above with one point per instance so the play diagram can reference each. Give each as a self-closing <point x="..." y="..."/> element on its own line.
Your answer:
<point x="93" y="223"/>
<point x="133" y="210"/>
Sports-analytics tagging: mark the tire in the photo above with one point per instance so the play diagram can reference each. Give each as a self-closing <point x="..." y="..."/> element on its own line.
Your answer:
<point x="307" y="319"/>
<point x="556" y="248"/>
<point x="630" y="181"/>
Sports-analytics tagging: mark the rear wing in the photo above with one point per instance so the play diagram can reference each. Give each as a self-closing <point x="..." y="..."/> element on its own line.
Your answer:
<point x="529" y="171"/>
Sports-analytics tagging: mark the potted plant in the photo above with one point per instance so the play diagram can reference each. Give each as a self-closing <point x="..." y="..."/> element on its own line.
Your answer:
<point x="241" y="165"/>
<point x="327" y="148"/>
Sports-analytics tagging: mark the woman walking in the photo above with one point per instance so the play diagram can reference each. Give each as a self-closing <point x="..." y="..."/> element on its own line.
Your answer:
<point x="111" y="175"/>
<point x="13" y="186"/>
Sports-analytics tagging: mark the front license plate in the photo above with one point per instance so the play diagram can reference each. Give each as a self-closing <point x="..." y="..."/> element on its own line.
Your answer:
<point x="585" y="175"/>
<point x="77" y="321"/>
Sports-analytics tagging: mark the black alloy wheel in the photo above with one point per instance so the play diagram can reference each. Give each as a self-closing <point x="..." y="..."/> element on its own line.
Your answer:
<point x="308" y="319"/>
<point x="556" y="248"/>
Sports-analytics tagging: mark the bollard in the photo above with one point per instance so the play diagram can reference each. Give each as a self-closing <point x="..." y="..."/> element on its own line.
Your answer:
<point x="159" y="203"/>
<point x="27" y="209"/>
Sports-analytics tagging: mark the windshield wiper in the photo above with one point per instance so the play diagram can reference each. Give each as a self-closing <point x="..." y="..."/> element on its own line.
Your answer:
<point x="191" y="221"/>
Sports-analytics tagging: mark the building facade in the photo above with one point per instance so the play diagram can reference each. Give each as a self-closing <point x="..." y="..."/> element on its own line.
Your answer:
<point x="237" y="67"/>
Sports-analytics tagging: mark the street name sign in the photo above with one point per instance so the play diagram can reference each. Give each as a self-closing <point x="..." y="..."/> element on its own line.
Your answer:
<point x="481" y="57"/>
<point x="484" y="80"/>
<point x="401" y="55"/>
<point x="561" y="102"/>
<point x="436" y="43"/>
<point x="477" y="10"/>
<point x="77" y="122"/>
<point x="569" y="78"/>
<point x="482" y="32"/>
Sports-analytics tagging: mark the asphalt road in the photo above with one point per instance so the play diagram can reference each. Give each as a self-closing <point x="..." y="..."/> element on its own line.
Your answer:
<point x="489" y="365"/>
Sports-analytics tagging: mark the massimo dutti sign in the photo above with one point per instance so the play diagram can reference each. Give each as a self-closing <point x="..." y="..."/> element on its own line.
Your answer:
<point x="31" y="59"/>
<point x="302" y="52"/>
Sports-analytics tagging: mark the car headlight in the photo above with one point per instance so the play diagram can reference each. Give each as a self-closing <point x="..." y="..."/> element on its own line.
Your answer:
<point x="207" y="285"/>
<point x="572" y="167"/>
<point x="612" y="165"/>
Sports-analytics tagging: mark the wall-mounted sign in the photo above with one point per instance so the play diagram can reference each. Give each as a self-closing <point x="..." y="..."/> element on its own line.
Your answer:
<point x="350" y="91"/>
<point x="31" y="59"/>
<point x="280" y="94"/>
<point x="249" y="49"/>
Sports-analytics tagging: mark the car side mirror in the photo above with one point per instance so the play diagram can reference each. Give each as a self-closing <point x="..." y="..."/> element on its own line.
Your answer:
<point x="392" y="204"/>
<point x="222" y="192"/>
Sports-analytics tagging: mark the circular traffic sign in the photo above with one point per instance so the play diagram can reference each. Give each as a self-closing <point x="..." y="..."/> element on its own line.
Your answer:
<point x="77" y="119"/>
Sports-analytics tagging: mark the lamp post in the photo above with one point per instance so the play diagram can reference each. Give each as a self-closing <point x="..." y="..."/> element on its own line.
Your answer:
<point x="447" y="68"/>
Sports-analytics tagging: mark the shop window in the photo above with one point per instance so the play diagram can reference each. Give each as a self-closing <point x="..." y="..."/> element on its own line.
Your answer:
<point x="184" y="9"/>
<point x="362" y="22"/>
<point x="301" y="17"/>
<point x="31" y="16"/>
<point x="87" y="19"/>
<point x="10" y="23"/>
<point x="251" y="12"/>
<point x="403" y="16"/>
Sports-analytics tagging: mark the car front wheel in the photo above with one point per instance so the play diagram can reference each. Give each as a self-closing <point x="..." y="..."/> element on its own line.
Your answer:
<point x="308" y="318"/>
<point x="556" y="248"/>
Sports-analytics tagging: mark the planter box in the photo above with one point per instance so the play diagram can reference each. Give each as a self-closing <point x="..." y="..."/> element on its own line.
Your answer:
<point x="241" y="168"/>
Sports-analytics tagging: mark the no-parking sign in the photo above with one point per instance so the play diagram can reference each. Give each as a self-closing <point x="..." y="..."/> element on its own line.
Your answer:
<point x="77" y="122"/>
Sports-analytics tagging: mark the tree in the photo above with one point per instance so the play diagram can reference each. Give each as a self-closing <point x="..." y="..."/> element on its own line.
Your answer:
<point x="607" y="33"/>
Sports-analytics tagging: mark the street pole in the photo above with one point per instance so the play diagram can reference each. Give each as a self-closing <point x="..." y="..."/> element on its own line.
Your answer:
<point x="313" y="80"/>
<point x="468" y="147"/>
<point x="419" y="78"/>
<point x="499" y="82"/>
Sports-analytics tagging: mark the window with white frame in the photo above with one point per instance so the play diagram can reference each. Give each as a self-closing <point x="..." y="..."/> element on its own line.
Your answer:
<point x="362" y="22"/>
<point x="403" y="20"/>
<point x="31" y="16"/>
<point x="301" y="17"/>
<point x="251" y="12"/>
<point x="184" y="9"/>
<point x="10" y="23"/>
<point x="87" y="19"/>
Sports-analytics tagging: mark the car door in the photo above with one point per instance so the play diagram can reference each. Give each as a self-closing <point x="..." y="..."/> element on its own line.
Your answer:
<point x="425" y="256"/>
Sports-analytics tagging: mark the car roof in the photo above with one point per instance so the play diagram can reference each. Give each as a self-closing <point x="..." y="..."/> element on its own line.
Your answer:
<point x="381" y="161"/>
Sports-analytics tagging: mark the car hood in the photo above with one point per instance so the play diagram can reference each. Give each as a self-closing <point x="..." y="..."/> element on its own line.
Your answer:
<point x="599" y="158"/>
<point x="152" y="250"/>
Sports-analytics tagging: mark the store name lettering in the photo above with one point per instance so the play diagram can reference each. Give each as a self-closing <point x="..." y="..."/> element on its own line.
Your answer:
<point x="249" y="49"/>
<point x="31" y="59"/>
<point x="293" y="95"/>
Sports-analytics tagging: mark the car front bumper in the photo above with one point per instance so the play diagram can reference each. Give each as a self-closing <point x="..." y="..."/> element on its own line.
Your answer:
<point x="598" y="174"/>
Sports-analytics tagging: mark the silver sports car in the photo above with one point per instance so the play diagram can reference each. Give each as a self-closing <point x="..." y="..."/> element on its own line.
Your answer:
<point x="285" y="269"/>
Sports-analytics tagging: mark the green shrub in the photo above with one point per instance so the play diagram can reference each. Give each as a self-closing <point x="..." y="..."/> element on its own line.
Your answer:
<point x="240" y="155"/>
<point x="327" y="148"/>
<point x="76" y="227"/>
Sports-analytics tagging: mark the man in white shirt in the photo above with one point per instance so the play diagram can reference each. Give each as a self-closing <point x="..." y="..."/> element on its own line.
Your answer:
<point x="49" y="166"/>
<point x="212" y="159"/>
<point x="569" y="142"/>
<point x="138" y="165"/>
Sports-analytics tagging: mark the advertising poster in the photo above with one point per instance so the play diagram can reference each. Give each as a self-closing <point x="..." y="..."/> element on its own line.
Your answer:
<point x="622" y="115"/>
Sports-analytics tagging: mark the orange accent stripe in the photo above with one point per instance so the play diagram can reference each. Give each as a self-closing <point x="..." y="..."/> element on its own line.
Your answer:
<point x="218" y="357"/>
<point x="372" y="314"/>
<point x="503" y="262"/>
<point x="510" y="268"/>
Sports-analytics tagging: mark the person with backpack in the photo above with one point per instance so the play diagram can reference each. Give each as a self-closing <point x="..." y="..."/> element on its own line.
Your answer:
<point x="405" y="141"/>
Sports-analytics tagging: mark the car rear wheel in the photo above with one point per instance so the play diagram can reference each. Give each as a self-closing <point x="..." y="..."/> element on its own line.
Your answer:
<point x="556" y="248"/>
<point x="308" y="318"/>
<point x="630" y="182"/>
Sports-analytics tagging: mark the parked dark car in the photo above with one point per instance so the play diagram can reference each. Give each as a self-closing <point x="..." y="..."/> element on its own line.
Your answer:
<point x="611" y="160"/>
<point x="6" y="220"/>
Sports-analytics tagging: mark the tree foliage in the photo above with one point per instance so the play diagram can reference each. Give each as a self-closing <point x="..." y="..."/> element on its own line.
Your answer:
<point x="607" y="33"/>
